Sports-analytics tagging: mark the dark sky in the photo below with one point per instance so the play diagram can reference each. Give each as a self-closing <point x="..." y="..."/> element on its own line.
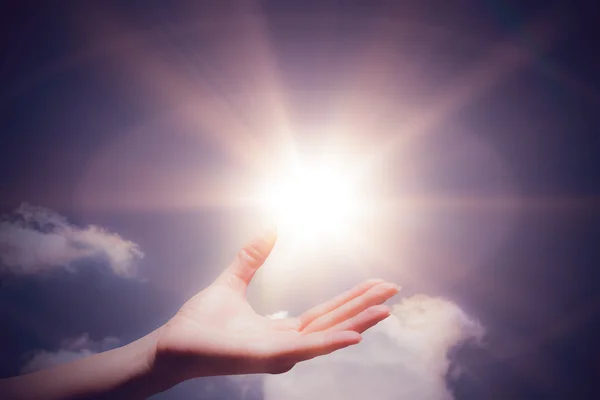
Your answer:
<point x="88" y="92"/>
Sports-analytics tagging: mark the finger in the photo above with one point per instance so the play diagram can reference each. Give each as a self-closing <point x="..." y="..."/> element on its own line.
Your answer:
<point x="364" y="320"/>
<point x="251" y="257"/>
<point x="374" y="296"/>
<point x="330" y="305"/>
<point x="319" y="344"/>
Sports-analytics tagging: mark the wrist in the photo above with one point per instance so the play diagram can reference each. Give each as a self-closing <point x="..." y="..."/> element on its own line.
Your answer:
<point x="146" y="378"/>
<point x="180" y="355"/>
<point x="154" y="374"/>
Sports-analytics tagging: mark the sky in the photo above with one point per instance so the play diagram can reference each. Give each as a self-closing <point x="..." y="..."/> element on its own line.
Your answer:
<point x="132" y="134"/>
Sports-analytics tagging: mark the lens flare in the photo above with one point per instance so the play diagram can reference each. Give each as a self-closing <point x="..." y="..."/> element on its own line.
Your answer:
<point x="312" y="202"/>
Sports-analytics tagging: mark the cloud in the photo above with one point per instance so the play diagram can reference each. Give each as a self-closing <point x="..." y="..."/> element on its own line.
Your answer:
<point x="35" y="239"/>
<point x="278" y="315"/>
<point x="70" y="350"/>
<point x="404" y="357"/>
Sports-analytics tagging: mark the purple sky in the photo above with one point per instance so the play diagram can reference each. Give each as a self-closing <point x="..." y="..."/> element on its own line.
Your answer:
<point x="136" y="124"/>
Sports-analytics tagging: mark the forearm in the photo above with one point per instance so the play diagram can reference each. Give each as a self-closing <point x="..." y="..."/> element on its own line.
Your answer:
<point x="122" y="373"/>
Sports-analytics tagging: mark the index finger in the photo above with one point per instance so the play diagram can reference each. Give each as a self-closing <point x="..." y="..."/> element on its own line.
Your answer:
<point x="337" y="301"/>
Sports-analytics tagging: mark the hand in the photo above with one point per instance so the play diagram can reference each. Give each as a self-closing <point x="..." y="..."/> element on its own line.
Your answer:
<point x="214" y="333"/>
<point x="217" y="332"/>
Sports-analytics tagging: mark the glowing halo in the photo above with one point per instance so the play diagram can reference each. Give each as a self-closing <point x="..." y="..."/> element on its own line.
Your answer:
<point x="312" y="202"/>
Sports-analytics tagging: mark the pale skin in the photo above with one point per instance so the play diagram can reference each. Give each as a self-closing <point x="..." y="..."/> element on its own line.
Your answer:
<point x="216" y="332"/>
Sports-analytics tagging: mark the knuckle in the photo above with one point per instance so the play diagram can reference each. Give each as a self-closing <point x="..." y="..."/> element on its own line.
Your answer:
<point x="251" y="254"/>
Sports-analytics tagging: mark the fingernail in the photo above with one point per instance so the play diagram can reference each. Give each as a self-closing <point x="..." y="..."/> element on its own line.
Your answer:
<point x="390" y="285"/>
<point x="269" y="234"/>
<point x="383" y="309"/>
<point x="348" y="336"/>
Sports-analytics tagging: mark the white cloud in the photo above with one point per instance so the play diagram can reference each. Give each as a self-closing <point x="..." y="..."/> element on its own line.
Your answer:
<point x="69" y="350"/>
<point x="278" y="315"/>
<point x="404" y="357"/>
<point x="35" y="239"/>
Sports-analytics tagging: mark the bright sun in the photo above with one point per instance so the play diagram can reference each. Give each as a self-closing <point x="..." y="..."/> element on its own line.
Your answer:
<point x="312" y="202"/>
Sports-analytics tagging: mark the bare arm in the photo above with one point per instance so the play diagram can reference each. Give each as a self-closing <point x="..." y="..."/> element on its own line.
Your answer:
<point x="215" y="333"/>
<point x="124" y="373"/>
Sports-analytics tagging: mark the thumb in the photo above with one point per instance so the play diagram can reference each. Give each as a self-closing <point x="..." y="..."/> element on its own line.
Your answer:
<point x="249" y="259"/>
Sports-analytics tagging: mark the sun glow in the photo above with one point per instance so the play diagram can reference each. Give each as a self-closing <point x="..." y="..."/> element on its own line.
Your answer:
<point x="313" y="202"/>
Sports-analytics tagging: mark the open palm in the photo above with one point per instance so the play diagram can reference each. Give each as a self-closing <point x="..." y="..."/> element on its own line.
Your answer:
<point x="218" y="333"/>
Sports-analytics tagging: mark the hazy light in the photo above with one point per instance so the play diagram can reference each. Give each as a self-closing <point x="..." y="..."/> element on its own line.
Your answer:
<point x="313" y="201"/>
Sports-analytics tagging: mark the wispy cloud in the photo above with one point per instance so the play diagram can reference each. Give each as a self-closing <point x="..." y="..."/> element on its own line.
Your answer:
<point x="35" y="239"/>
<point x="70" y="350"/>
<point x="404" y="357"/>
